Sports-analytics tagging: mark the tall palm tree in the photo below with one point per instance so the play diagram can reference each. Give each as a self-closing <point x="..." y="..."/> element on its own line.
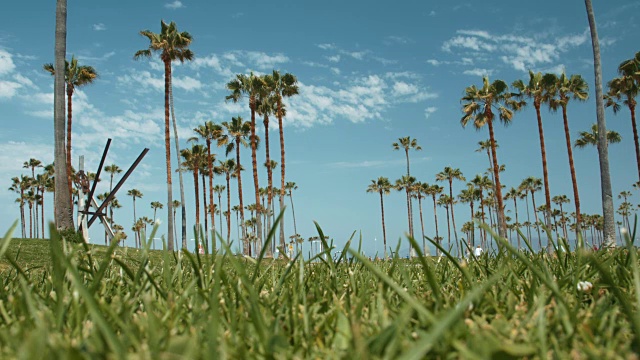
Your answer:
<point x="112" y="170"/>
<point x="477" y="105"/>
<point x="574" y="87"/>
<point x="228" y="168"/>
<point x="193" y="158"/>
<point x="625" y="88"/>
<point x="446" y="202"/>
<point x="482" y="183"/>
<point x="32" y="164"/>
<point x="407" y="183"/>
<point x="63" y="205"/>
<point x="254" y="87"/>
<point x="539" y="92"/>
<point x="172" y="45"/>
<point x="219" y="189"/>
<point x="514" y="194"/>
<point x="419" y="194"/>
<point x="406" y="143"/>
<point x="485" y="145"/>
<point x="75" y="76"/>
<point x="155" y="205"/>
<point x="235" y="134"/>
<point x="532" y="185"/>
<point x="135" y="193"/>
<point x="290" y="186"/>
<point x="603" y="151"/>
<point x="433" y="191"/>
<point x="20" y="185"/>
<point x="449" y="174"/>
<point x="470" y="195"/>
<point x="282" y="86"/>
<point x="209" y="132"/>
<point x="381" y="186"/>
<point x="590" y="138"/>
<point x="559" y="200"/>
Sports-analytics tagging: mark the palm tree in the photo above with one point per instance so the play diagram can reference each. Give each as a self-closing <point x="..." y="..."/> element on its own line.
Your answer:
<point x="381" y="186"/>
<point x="445" y="201"/>
<point x="290" y="186"/>
<point x="559" y="200"/>
<point x="155" y="205"/>
<point x="434" y="190"/>
<point x="172" y="45"/>
<point x="478" y="107"/>
<point x="470" y="195"/>
<point x="625" y="88"/>
<point x="236" y="134"/>
<point x="282" y="86"/>
<point x="514" y="194"/>
<point x="574" y="87"/>
<point x="533" y="184"/>
<point x="407" y="183"/>
<point x="419" y="194"/>
<point x="482" y="183"/>
<point x="135" y="193"/>
<point x="406" y="143"/>
<point x="540" y="92"/>
<point x="254" y="87"/>
<point x="209" y="132"/>
<point x="267" y="106"/>
<point x="63" y="205"/>
<point x="587" y="138"/>
<point x="112" y="170"/>
<point x="193" y="158"/>
<point x="20" y="186"/>
<point x="219" y="189"/>
<point x="75" y="76"/>
<point x="449" y="174"/>
<point x="603" y="151"/>
<point x="228" y="168"/>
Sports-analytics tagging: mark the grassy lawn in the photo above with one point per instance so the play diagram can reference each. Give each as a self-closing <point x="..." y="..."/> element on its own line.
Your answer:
<point x="67" y="302"/>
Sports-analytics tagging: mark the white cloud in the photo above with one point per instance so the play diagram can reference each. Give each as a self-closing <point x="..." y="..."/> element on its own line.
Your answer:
<point x="174" y="5"/>
<point x="187" y="83"/>
<point x="478" y="72"/>
<point x="326" y="46"/>
<point x="6" y="62"/>
<point x="99" y="27"/>
<point x="402" y="89"/>
<point x="434" y="62"/>
<point x="468" y="42"/>
<point x="335" y="58"/>
<point x="8" y="89"/>
<point x="430" y="110"/>
<point x="12" y="164"/>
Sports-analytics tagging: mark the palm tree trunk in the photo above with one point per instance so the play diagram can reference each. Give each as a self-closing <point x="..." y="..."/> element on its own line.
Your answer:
<point x="167" y="148"/>
<point x="603" y="150"/>
<point x="228" y="208"/>
<point x="282" y="172"/>
<point x="63" y="207"/>
<point x="528" y="217"/>
<point x="293" y="211"/>
<point x="448" y="231"/>
<point x="42" y="213"/>
<point x="515" y="206"/>
<point x="473" y="227"/>
<point x="269" y="176"/>
<point x="22" y="218"/>
<point x="220" y="206"/>
<point x="572" y="169"/>
<point x="535" y="213"/>
<point x="453" y="218"/>
<point x="134" y="218"/>
<point x="180" y="180"/>
<point x="484" y="232"/>
<point x="239" y="178"/>
<point x="502" y="227"/>
<point x="632" y="109"/>
<point x="424" y="245"/>
<point x="435" y="217"/>
<point x="30" y="221"/>
<point x="204" y="206"/>
<point x="68" y="143"/>
<point x="210" y="161"/>
<point x="197" y="195"/>
<point x="254" y="162"/>
<point x="545" y="172"/>
<point x="384" y="231"/>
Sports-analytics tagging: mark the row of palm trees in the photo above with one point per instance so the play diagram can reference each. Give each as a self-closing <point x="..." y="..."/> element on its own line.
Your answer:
<point x="475" y="192"/>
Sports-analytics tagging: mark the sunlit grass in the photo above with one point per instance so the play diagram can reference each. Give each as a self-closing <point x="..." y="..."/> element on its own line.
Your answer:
<point x="68" y="300"/>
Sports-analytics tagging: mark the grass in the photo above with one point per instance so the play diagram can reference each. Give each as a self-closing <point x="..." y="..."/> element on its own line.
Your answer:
<point x="75" y="301"/>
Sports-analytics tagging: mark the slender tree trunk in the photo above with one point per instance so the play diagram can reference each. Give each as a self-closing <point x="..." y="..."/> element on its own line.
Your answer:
<point x="603" y="149"/>
<point x="269" y="177"/>
<point x="42" y="213"/>
<point x="484" y="232"/>
<point x="220" y="205"/>
<point x="254" y="162"/>
<point x="384" y="230"/>
<point x="22" y="218"/>
<point x="424" y="245"/>
<point x="197" y="196"/>
<point x="180" y="179"/>
<point x="632" y="109"/>
<point x="502" y="227"/>
<point x="528" y="218"/>
<point x="515" y="206"/>
<point x="30" y="221"/>
<point x="572" y="169"/>
<point x="69" y="121"/>
<point x="535" y="213"/>
<point x="473" y="227"/>
<point x="227" y="177"/>
<point x="63" y="205"/>
<point x="545" y="172"/>
<point x="134" y="220"/>
<point x="293" y="211"/>
<point x="210" y="161"/>
<point x="167" y="148"/>
<point x="453" y="218"/>
<point x="435" y="217"/>
<point x="448" y="231"/>
<point x="204" y="206"/>
<point x="239" y="178"/>
<point x="282" y="172"/>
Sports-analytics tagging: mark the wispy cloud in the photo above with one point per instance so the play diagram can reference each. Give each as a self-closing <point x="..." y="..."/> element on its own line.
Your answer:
<point x="397" y="40"/>
<point x="177" y="4"/>
<point x="6" y="62"/>
<point x="374" y="163"/>
<point x="99" y="27"/>
<point x="429" y="111"/>
<point x="478" y="72"/>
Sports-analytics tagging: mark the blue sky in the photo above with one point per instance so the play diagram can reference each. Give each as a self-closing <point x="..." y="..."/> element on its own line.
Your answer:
<point x="369" y="73"/>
